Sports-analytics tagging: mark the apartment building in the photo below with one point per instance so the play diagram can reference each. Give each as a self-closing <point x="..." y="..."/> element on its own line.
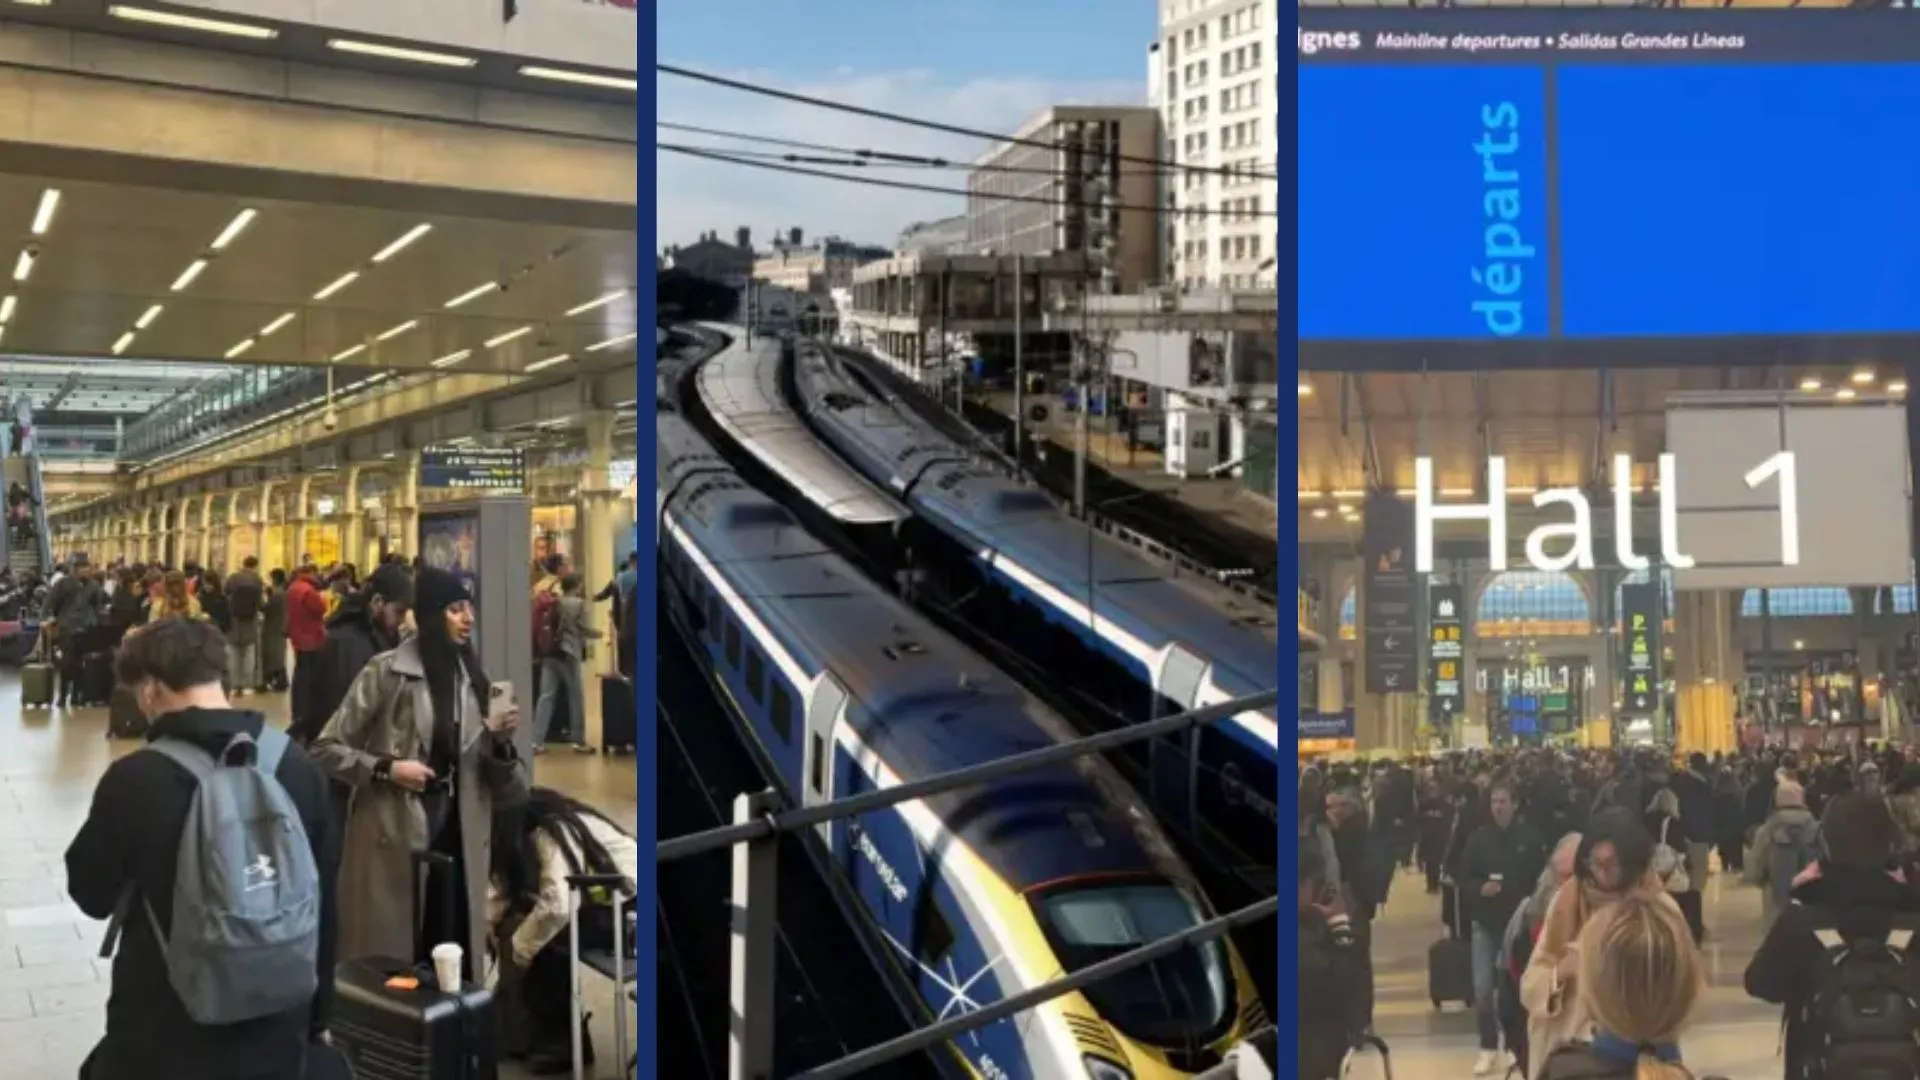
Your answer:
<point x="1214" y="75"/>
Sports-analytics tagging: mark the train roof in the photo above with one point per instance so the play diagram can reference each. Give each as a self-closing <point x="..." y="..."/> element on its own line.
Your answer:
<point x="740" y="387"/>
<point x="926" y="704"/>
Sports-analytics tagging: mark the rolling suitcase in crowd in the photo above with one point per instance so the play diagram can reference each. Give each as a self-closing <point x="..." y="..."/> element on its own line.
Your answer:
<point x="1450" y="963"/>
<point x="619" y="727"/>
<point x="1373" y="1044"/>
<point x="96" y="680"/>
<point x="614" y="965"/>
<point x="396" y="1032"/>
<point x="124" y="719"/>
<point x="36" y="684"/>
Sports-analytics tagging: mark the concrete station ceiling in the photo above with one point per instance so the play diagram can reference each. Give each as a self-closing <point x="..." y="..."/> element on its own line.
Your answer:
<point x="303" y="284"/>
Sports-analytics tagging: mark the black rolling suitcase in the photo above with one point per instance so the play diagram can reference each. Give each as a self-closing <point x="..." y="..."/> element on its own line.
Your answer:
<point x="421" y="1034"/>
<point x="96" y="679"/>
<point x="124" y="719"/>
<point x="1450" y="963"/>
<point x="619" y="724"/>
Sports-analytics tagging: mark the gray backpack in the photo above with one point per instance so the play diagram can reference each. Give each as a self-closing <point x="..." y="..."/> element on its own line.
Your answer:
<point x="245" y="938"/>
<point x="1796" y="846"/>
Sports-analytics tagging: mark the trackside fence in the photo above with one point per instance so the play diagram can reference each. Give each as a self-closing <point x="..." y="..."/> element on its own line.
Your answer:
<point x="759" y="821"/>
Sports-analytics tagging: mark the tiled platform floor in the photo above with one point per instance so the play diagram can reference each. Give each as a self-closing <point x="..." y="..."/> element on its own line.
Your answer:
<point x="1732" y="1036"/>
<point x="52" y="989"/>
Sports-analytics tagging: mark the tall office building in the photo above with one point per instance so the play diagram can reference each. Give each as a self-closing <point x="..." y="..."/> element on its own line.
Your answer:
<point x="1214" y="75"/>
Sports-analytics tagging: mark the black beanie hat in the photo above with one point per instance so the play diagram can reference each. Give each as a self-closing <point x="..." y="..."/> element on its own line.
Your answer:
<point x="392" y="584"/>
<point x="435" y="591"/>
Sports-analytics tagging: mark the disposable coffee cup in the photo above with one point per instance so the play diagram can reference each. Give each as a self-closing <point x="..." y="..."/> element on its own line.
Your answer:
<point x="446" y="966"/>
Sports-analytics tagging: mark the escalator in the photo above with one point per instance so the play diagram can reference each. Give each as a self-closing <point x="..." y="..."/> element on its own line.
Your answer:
<point x="23" y="468"/>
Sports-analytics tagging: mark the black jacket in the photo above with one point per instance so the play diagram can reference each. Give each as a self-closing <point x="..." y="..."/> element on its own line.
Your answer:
<point x="1333" y="1008"/>
<point x="132" y="835"/>
<point x="1517" y="855"/>
<point x="1696" y="807"/>
<point x="352" y="640"/>
<point x="1859" y="903"/>
<point x="1579" y="1062"/>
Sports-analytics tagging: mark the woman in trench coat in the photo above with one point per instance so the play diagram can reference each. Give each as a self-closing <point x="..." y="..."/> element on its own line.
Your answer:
<point x="393" y="745"/>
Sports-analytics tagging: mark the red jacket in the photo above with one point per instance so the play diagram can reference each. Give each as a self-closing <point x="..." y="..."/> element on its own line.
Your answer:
<point x="306" y="615"/>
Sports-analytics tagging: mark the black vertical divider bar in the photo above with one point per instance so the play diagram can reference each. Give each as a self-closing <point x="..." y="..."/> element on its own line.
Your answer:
<point x="1550" y="137"/>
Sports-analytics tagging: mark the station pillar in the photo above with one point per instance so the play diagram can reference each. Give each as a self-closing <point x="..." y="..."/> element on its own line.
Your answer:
<point x="297" y="517"/>
<point x="594" y="543"/>
<point x="353" y="530"/>
<point x="262" y="510"/>
<point x="403" y="527"/>
<point x="1707" y="669"/>
<point x="203" y="552"/>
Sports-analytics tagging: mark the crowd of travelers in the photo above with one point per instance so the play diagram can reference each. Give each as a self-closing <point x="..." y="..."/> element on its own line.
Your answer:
<point x="1568" y="890"/>
<point x="400" y="754"/>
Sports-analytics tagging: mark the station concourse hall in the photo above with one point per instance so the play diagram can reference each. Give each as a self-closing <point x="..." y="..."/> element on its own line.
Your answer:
<point x="293" y="316"/>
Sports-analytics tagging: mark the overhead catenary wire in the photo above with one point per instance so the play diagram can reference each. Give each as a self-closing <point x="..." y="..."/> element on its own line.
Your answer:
<point x="860" y="156"/>
<point x="997" y="138"/>
<point x="936" y="189"/>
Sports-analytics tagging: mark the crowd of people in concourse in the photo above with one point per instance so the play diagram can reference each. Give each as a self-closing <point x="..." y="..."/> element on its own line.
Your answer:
<point x="1567" y="893"/>
<point x="400" y="757"/>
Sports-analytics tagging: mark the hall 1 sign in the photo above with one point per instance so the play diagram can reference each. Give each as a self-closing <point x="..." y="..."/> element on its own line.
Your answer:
<point x="1446" y="692"/>
<point x="1640" y="618"/>
<point x="1577" y="534"/>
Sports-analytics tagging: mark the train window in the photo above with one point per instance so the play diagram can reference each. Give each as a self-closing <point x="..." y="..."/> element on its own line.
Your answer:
<point x="932" y="936"/>
<point x="818" y="776"/>
<point x="1186" y="997"/>
<point x="756" y="676"/>
<point x="781" y="712"/>
<point x="713" y="613"/>
<point x="733" y="643"/>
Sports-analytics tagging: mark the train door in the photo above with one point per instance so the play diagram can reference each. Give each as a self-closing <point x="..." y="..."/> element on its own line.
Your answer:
<point x="824" y="706"/>
<point x="1174" y="760"/>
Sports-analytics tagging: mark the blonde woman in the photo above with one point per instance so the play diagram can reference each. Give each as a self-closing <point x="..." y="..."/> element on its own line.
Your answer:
<point x="1615" y="861"/>
<point x="1640" y="976"/>
<point x="175" y="600"/>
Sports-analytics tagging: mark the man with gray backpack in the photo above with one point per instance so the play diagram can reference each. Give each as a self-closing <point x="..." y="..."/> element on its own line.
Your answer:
<point x="1783" y="846"/>
<point x="218" y="832"/>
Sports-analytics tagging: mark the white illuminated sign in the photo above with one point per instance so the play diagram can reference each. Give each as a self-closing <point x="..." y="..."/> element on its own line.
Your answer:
<point x="1578" y="533"/>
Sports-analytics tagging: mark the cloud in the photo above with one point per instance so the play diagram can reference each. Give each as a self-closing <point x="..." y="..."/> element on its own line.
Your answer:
<point x="696" y="196"/>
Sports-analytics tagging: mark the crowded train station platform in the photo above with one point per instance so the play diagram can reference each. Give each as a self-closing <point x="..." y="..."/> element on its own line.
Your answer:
<point x="1608" y="676"/>
<point x="318" y="353"/>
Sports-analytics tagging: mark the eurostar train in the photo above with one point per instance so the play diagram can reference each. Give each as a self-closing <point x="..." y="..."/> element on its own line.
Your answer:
<point x="976" y="894"/>
<point x="1184" y="642"/>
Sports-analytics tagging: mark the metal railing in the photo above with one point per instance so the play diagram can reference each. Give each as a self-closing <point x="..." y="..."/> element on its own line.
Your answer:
<point x="759" y="822"/>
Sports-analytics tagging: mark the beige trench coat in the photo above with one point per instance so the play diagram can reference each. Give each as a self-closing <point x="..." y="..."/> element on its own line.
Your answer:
<point x="388" y="714"/>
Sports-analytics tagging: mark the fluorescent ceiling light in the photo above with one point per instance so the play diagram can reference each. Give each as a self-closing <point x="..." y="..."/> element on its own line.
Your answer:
<point x="240" y="348"/>
<point x="6" y="308"/>
<point x="23" y="266"/>
<point x="146" y="317"/>
<point x="120" y="346"/>
<point x="473" y="294"/>
<point x="402" y="244"/>
<point x="271" y="328"/>
<point x="234" y="228"/>
<point x="43" y="216"/>
<point x="34" y="3"/>
<point x="452" y="358"/>
<point x="394" y="52"/>
<point x="611" y="343"/>
<point x="188" y="276"/>
<point x="398" y="330"/>
<point x="496" y="342"/>
<point x="1862" y="378"/>
<point x="580" y="78"/>
<point x="349" y="354"/>
<point x="192" y="22"/>
<point x="1844" y="393"/>
<point x="1898" y="386"/>
<point x="599" y="302"/>
<point x="339" y="283"/>
<point x="542" y="365"/>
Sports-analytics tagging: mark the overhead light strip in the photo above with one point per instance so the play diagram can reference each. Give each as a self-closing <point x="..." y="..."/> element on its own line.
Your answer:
<point x="240" y="348"/>
<point x="188" y="276"/>
<point x="579" y="78"/>
<point x="349" y="353"/>
<point x="395" y="52"/>
<point x="43" y="214"/>
<point x="398" y="330"/>
<point x="496" y="342"/>
<point x="452" y="358"/>
<point x="23" y="266"/>
<point x="473" y="294"/>
<point x="146" y="317"/>
<point x="402" y="244"/>
<point x="120" y="346"/>
<point x="276" y="325"/>
<point x="177" y="21"/>
<point x="7" y="304"/>
<point x="613" y="343"/>
<point x="542" y="365"/>
<point x="597" y="302"/>
<point x="234" y="228"/>
<point x="339" y="283"/>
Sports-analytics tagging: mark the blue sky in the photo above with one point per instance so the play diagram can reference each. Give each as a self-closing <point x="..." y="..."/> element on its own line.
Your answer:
<point x="987" y="64"/>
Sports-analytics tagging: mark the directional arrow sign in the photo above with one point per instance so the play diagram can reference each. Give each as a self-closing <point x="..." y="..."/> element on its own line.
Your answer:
<point x="1391" y="642"/>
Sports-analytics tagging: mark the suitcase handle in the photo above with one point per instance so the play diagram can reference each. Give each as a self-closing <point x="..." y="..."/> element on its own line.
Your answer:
<point x="423" y="863"/>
